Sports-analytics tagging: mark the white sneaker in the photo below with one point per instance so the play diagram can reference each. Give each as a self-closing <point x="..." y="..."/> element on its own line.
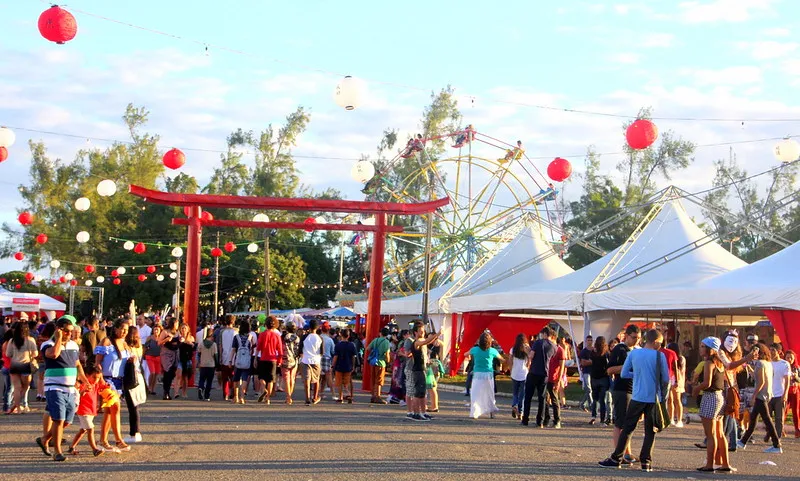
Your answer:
<point x="740" y="445"/>
<point x="774" y="450"/>
<point x="679" y="424"/>
<point x="137" y="438"/>
<point x="402" y="403"/>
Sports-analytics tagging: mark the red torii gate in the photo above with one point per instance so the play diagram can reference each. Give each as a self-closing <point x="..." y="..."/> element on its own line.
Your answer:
<point x="194" y="242"/>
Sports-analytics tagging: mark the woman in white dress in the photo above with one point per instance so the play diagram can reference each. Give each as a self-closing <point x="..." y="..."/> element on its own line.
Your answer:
<point x="482" y="393"/>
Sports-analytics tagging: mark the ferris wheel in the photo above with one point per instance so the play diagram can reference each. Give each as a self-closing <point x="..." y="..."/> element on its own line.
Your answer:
<point x="491" y="185"/>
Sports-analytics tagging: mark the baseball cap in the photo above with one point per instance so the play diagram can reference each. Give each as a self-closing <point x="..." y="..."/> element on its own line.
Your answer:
<point x="69" y="318"/>
<point x="712" y="342"/>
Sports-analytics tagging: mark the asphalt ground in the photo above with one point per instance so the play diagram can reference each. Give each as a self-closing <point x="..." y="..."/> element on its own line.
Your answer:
<point x="190" y="439"/>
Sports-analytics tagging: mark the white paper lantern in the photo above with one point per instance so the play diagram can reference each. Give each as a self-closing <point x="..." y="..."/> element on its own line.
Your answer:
<point x="177" y="252"/>
<point x="106" y="188"/>
<point x="787" y="150"/>
<point x="100" y="279"/>
<point x="82" y="204"/>
<point x="173" y="266"/>
<point x="159" y="278"/>
<point x="321" y="220"/>
<point x="121" y="270"/>
<point x="368" y="221"/>
<point x="261" y="218"/>
<point x="173" y="275"/>
<point x="82" y="237"/>
<point x="7" y="137"/>
<point x="38" y="278"/>
<point x="362" y="171"/>
<point x="68" y="276"/>
<point x="252" y="248"/>
<point x="55" y="264"/>
<point x="348" y="93"/>
<point x="128" y="246"/>
<point x="88" y="282"/>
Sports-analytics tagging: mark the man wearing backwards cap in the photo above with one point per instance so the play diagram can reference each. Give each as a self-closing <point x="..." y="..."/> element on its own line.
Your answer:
<point x="62" y="369"/>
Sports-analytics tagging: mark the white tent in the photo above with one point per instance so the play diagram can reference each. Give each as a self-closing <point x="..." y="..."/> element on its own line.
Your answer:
<point x="46" y="303"/>
<point x="771" y="282"/>
<point x="668" y="235"/>
<point x="507" y="271"/>
<point x="408" y="305"/>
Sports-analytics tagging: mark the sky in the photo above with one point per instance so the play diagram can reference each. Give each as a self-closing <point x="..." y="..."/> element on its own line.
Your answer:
<point x="251" y="64"/>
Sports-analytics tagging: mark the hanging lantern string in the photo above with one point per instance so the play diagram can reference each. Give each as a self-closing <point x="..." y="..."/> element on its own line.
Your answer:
<point x="104" y="266"/>
<point x="472" y="98"/>
<point x="352" y="159"/>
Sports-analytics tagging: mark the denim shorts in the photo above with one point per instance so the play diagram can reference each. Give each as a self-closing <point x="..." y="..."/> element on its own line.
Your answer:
<point x="241" y="375"/>
<point x="60" y="405"/>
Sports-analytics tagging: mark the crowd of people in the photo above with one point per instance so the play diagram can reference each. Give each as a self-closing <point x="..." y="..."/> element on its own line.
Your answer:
<point x="82" y="369"/>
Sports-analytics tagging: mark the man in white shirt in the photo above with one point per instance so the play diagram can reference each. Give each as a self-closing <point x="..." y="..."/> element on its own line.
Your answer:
<point x="310" y="363"/>
<point x="225" y="358"/>
<point x="781" y="374"/>
<point x="144" y="329"/>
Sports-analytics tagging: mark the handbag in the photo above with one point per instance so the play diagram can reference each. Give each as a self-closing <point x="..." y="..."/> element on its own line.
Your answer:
<point x="661" y="415"/>
<point x="733" y="400"/>
<point x="129" y="378"/>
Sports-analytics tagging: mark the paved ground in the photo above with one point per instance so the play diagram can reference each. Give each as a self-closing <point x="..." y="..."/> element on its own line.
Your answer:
<point x="191" y="439"/>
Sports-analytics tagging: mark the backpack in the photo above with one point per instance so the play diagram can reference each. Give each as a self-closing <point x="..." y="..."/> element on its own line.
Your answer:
<point x="373" y="358"/>
<point x="290" y="346"/>
<point x="243" y="353"/>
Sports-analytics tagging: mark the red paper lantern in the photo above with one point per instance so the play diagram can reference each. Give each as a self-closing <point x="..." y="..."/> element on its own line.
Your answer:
<point x="89" y="269"/>
<point x="25" y="218"/>
<point x="73" y="282"/>
<point x="151" y="269"/>
<point x="559" y="169"/>
<point x="53" y="281"/>
<point x="206" y="216"/>
<point x="142" y="277"/>
<point x="2" y="280"/>
<point x="230" y="247"/>
<point x="3" y="153"/>
<point x="29" y="277"/>
<point x="641" y="134"/>
<point x="57" y="25"/>
<point x="62" y="279"/>
<point x="309" y="222"/>
<point x="174" y="159"/>
<point x="117" y="281"/>
<point x="216" y="252"/>
<point x="205" y="272"/>
<point x="18" y="286"/>
<point x="41" y="239"/>
<point x="19" y="256"/>
<point x="114" y="273"/>
<point x="139" y="248"/>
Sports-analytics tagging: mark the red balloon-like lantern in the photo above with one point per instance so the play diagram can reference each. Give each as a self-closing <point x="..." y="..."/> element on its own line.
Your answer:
<point x="3" y="154"/>
<point x="114" y="273"/>
<point x="117" y="281"/>
<point x="174" y="159"/>
<point x="309" y="222"/>
<point x="53" y="281"/>
<point x="73" y="282"/>
<point x="151" y="269"/>
<point x="62" y="279"/>
<point x="142" y="277"/>
<point x="29" y="277"/>
<point x="216" y="252"/>
<point x="19" y="256"/>
<point x="206" y="216"/>
<point x="2" y="280"/>
<point x="641" y="134"/>
<point x="57" y="25"/>
<point x="205" y="271"/>
<point x="25" y="218"/>
<point x="559" y="169"/>
<point x="18" y="286"/>
<point x="230" y="247"/>
<point x="139" y="248"/>
<point x="41" y="239"/>
<point x="89" y="269"/>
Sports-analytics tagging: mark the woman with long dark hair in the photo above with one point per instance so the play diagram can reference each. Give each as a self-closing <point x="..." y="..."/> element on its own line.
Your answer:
<point x="169" y="341"/>
<point x="519" y="365"/>
<point x="600" y="380"/>
<point x="186" y="350"/>
<point x="112" y="355"/>
<point x="762" y="367"/>
<point x="21" y="351"/>
<point x="132" y="402"/>
<point x="482" y="399"/>
<point x="676" y="393"/>
<point x="711" y="406"/>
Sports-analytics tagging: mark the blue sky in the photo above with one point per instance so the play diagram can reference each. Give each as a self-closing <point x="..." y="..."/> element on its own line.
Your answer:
<point x="720" y="58"/>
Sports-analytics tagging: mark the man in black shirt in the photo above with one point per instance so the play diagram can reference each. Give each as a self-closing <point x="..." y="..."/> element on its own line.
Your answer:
<point x="541" y="352"/>
<point x="585" y="354"/>
<point x="623" y="388"/>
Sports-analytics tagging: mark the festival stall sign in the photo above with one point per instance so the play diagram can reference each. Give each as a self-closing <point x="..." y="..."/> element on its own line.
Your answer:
<point x="24" y="304"/>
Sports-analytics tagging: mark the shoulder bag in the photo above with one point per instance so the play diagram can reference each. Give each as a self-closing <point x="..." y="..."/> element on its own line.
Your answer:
<point x="661" y="419"/>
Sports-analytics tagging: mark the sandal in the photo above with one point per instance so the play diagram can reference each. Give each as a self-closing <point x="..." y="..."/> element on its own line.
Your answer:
<point x="122" y="446"/>
<point x="729" y="469"/>
<point x="111" y="448"/>
<point x="72" y="451"/>
<point x="706" y="469"/>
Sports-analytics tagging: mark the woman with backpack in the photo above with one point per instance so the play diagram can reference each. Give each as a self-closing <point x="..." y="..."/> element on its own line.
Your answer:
<point x="242" y="360"/>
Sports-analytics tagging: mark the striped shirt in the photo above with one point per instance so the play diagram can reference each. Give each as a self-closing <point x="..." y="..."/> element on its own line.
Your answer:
<point x="61" y="373"/>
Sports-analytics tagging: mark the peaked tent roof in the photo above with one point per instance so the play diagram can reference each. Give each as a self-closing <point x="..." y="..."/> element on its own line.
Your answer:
<point x="408" y="305"/>
<point x="771" y="282"/>
<point x="669" y="233"/>
<point x="46" y="303"/>
<point x="498" y="274"/>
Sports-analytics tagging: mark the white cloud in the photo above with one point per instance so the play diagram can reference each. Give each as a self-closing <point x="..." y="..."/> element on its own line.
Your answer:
<point x="721" y="10"/>
<point x="777" y="32"/>
<point x="741" y="75"/>
<point x="768" y="49"/>
<point x="622" y="9"/>
<point x="657" y="40"/>
<point x="627" y="58"/>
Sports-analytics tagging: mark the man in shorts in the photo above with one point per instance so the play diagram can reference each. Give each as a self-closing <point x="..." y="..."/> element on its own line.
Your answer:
<point x="310" y="363"/>
<point x="622" y="389"/>
<point x="344" y="360"/>
<point x="62" y="370"/>
<point x="381" y="347"/>
<point x="270" y="349"/>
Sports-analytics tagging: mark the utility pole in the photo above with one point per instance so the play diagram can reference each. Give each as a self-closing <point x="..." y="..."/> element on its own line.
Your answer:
<point x="216" y="284"/>
<point x="341" y="269"/>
